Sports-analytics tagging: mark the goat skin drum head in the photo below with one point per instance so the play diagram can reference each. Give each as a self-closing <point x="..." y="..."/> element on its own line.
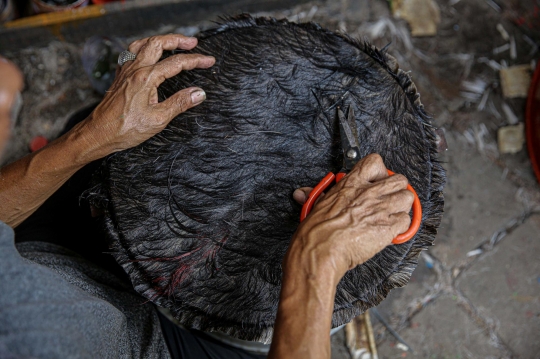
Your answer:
<point x="200" y="216"/>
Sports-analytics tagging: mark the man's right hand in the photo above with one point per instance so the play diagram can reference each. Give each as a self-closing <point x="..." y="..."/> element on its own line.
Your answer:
<point x="355" y="220"/>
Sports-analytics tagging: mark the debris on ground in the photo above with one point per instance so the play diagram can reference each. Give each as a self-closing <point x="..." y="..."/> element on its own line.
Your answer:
<point x="423" y="16"/>
<point x="360" y="339"/>
<point x="515" y="81"/>
<point x="511" y="138"/>
<point x="392" y="331"/>
<point x="511" y="117"/>
<point x="473" y="90"/>
<point x="442" y="145"/>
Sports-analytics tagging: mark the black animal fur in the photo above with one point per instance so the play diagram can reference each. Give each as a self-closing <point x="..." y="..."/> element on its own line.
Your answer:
<point x="201" y="215"/>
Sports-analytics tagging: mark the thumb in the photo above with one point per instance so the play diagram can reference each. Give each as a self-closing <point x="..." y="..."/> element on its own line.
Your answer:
<point x="182" y="101"/>
<point x="301" y="195"/>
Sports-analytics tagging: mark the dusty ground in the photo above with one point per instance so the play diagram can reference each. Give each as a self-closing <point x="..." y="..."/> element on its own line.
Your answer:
<point x="476" y="293"/>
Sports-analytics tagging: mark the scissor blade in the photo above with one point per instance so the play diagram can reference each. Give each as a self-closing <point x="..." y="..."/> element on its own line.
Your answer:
<point x="352" y="125"/>
<point x="347" y="136"/>
<point x="349" y="139"/>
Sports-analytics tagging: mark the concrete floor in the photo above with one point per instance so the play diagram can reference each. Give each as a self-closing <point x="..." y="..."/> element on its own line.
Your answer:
<point x="482" y="306"/>
<point x="459" y="303"/>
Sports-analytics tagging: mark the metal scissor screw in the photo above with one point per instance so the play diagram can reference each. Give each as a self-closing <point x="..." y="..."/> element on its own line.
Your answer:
<point x="351" y="154"/>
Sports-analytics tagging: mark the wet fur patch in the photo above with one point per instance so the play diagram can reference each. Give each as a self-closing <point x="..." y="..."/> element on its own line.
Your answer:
<point x="201" y="215"/>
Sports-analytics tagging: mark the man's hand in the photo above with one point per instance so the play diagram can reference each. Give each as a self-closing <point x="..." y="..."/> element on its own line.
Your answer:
<point x="355" y="220"/>
<point x="130" y="112"/>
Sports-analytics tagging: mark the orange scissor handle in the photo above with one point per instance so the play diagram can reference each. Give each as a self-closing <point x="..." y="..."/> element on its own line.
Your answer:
<point x="329" y="178"/>
<point x="315" y="193"/>
<point x="415" y="220"/>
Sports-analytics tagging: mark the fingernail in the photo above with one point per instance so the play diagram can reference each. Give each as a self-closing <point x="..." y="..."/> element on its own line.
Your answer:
<point x="198" y="96"/>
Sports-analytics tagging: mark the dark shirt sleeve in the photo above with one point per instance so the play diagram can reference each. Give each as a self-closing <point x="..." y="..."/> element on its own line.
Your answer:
<point x="54" y="304"/>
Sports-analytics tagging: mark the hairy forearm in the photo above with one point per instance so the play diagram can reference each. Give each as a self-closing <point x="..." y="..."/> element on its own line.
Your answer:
<point x="26" y="183"/>
<point x="304" y="318"/>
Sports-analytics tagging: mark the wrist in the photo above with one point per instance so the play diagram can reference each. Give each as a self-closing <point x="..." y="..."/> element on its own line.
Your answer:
<point x="304" y="317"/>
<point x="315" y="288"/>
<point x="86" y="145"/>
<point x="313" y="262"/>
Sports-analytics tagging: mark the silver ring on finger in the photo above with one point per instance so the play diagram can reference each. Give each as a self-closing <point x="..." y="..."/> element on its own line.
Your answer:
<point x="126" y="56"/>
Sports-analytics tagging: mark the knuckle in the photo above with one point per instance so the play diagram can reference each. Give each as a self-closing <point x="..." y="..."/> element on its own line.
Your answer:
<point x="140" y="75"/>
<point x="180" y="60"/>
<point x="409" y="196"/>
<point x="404" y="221"/>
<point x="157" y="74"/>
<point x="400" y="180"/>
<point x="370" y="192"/>
<point x="135" y="44"/>
<point x="375" y="159"/>
<point x="191" y="61"/>
<point x="351" y="177"/>
<point x="378" y="188"/>
<point x="183" y="102"/>
<point x="155" y="41"/>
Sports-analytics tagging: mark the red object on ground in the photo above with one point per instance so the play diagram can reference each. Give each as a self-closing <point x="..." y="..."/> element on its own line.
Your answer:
<point x="532" y="122"/>
<point x="37" y="143"/>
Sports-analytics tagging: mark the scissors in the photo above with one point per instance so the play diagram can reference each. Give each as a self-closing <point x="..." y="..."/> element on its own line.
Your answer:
<point x="351" y="156"/>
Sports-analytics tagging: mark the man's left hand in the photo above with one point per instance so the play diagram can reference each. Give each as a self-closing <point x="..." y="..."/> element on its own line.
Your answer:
<point x="130" y="112"/>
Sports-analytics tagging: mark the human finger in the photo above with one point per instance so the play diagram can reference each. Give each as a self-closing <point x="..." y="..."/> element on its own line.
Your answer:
<point x="181" y="102"/>
<point x="173" y="65"/>
<point x="369" y="169"/>
<point x="150" y="52"/>
<point x="135" y="46"/>
<point x="400" y="223"/>
<point x="390" y="184"/>
<point x="400" y="201"/>
<point x="300" y="195"/>
<point x="187" y="44"/>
